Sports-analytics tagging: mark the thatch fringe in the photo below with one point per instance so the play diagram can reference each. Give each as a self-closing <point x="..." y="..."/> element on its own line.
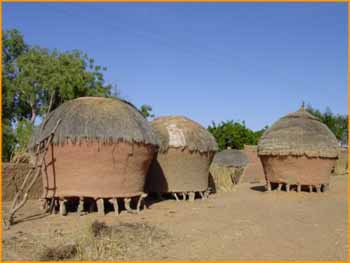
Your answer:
<point x="297" y="134"/>
<point x="230" y="158"/>
<point x="91" y="119"/>
<point x="182" y="133"/>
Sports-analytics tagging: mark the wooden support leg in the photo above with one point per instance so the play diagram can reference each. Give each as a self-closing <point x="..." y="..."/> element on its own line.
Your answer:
<point x="311" y="188"/>
<point x="287" y="187"/>
<point x="183" y="196"/>
<point x="279" y="187"/>
<point x="81" y="205"/>
<point x="63" y="208"/>
<point x="100" y="206"/>
<point x="127" y="202"/>
<point x="318" y="188"/>
<point x="202" y="195"/>
<point x="176" y="197"/>
<point x="114" y="202"/>
<point x="140" y="202"/>
<point x="299" y="188"/>
<point x="191" y="196"/>
<point x="268" y="186"/>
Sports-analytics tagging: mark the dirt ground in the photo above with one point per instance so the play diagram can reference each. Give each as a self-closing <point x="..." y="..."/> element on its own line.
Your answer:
<point x="246" y="224"/>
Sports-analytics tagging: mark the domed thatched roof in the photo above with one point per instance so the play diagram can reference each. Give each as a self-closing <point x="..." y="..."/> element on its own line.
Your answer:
<point x="230" y="157"/>
<point x="181" y="132"/>
<point x="299" y="133"/>
<point x="104" y="119"/>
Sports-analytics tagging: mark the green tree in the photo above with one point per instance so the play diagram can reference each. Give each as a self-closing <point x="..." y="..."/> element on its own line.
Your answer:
<point x="146" y="111"/>
<point x="36" y="79"/>
<point x="233" y="134"/>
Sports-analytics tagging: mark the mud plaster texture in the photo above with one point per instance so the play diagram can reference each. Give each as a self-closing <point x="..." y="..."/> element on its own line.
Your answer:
<point x="254" y="171"/>
<point x="298" y="169"/>
<point x="179" y="170"/>
<point x="13" y="175"/>
<point x="92" y="169"/>
<point x="341" y="164"/>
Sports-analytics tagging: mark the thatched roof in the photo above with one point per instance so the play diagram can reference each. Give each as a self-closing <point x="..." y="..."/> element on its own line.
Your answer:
<point x="103" y="119"/>
<point x="181" y="132"/>
<point x="299" y="133"/>
<point x="230" y="158"/>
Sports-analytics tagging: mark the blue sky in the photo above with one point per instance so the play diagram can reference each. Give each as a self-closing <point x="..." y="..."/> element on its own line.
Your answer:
<point x="208" y="61"/>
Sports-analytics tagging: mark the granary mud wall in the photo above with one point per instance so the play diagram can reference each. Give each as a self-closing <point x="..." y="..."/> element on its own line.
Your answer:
<point x="298" y="169"/>
<point x="93" y="169"/>
<point x="341" y="165"/>
<point x="254" y="171"/>
<point x="179" y="170"/>
<point x="12" y="177"/>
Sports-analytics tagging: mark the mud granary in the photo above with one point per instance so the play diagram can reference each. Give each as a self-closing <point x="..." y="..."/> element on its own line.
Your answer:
<point x="101" y="152"/>
<point x="298" y="151"/>
<point x="181" y="166"/>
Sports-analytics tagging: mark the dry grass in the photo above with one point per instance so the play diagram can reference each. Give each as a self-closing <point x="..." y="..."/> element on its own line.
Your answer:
<point x="93" y="241"/>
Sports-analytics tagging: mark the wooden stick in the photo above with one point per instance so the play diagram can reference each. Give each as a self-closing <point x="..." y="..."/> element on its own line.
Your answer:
<point x="191" y="196"/>
<point x="114" y="202"/>
<point x="142" y="197"/>
<point x="100" y="206"/>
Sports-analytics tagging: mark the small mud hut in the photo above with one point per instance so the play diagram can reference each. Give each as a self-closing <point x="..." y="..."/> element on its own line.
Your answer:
<point x="182" y="163"/>
<point x="298" y="150"/>
<point x="101" y="151"/>
<point x="227" y="169"/>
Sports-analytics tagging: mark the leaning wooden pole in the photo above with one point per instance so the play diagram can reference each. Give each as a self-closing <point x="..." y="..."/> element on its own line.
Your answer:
<point x="32" y="176"/>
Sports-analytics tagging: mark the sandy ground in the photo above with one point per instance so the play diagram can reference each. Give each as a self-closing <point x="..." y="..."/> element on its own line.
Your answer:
<point x="246" y="224"/>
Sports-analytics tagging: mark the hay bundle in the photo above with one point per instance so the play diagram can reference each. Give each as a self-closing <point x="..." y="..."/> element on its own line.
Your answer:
<point x="182" y="163"/>
<point x="298" y="150"/>
<point x="227" y="169"/>
<point x="102" y="149"/>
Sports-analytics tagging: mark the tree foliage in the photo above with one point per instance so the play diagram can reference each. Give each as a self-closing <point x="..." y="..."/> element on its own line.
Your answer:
<point x="337" y="123"/>
<point x="35" y="78"/>
<point x="234" y="134"/>
<point x="146" y="111"/>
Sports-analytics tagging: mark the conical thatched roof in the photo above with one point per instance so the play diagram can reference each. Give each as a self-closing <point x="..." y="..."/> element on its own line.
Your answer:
<point x="181" y="132"/>
<point x="299" y="133"/>
<point x="104" y="119"/>
<point x="230" y="157"/>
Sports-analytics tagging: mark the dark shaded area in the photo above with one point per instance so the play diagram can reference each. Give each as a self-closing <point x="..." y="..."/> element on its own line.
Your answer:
<point x="155" y="179"/>
<point x="59" y="253"/>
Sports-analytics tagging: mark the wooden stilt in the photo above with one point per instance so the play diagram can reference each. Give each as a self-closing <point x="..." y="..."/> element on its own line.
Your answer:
<point x="268" y="186"/>
<point x="299" y="188"/>
<point x="279" y="187"/>
<point x="287" y="187"/>
<point x="318" y="188"/>
<point x="140" y="202"/>
<point x="127" y="202"/>
<point x="311" y="188"/>
<point x="81" y="205"/>
<point x="176" y="197"/>
<point x="183" y="196"/>
<point x="191" y="196"/>
<point x="100" y="206"/>
<point x="202" y="195"/>
<point x="114" y="202"/>
<point x="63" y="208"/>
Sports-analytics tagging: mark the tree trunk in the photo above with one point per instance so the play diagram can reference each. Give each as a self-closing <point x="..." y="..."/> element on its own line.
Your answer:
<point x="33" y="117"/>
